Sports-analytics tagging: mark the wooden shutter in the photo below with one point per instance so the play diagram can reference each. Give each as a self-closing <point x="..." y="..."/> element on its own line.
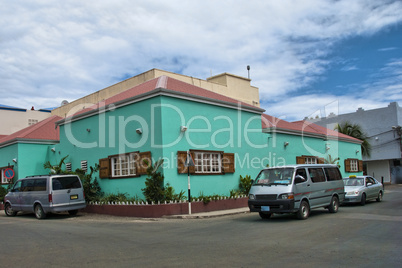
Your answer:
<point x="181" y="160"/>
<point x="347" y="165"/>
<point x="320" y="160"/>
<point x="143" y="163"/>
<point x="228" y="163"/>
<point x="300" y="160"/>
<point x="360" y="165"/>
<point x="104" y="168"/>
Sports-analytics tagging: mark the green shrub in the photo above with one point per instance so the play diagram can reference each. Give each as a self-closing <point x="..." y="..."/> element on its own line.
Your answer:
<point x="155" y="190"/>
<point x="3" y="192"/>
<point x="245" y="184"/>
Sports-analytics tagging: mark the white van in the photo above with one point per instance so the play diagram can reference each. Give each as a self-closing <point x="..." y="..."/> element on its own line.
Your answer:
<point x="44" y="194"/>
<point x="296" y="189"/>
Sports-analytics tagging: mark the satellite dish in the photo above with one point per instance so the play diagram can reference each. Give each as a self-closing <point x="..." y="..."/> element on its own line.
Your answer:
<point x="64" y="102"/>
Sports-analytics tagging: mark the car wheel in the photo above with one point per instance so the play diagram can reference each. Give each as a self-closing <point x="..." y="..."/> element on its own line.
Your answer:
<point x="363" y="200"/>
<point x="304" y="211"/>
<point x="39" y="213"/>
<point x="9" y="210"/>
<point x="333" y="207"/>
<point x="265" y="216"/>
<point x="379" y="198"/>
<point x="73" y="212"/>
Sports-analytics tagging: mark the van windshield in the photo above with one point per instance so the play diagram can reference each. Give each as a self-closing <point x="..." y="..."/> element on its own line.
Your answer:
<point x="275" y="176"/>
<point x="62" y="183"/>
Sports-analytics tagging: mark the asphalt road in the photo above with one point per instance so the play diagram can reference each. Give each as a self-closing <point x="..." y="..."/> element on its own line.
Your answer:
<point x="356" y="236"/>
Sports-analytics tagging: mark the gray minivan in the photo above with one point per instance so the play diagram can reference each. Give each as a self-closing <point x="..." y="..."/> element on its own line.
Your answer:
<point x="44" y="194"/>
<point x="296" y="189"/>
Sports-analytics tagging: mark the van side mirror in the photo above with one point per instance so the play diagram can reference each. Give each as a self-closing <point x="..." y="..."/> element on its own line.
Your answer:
<point x="252" y="182"/>
<point x="299" y="179"/>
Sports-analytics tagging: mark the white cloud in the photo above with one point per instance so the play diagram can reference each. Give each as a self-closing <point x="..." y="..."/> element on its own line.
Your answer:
<point x="50" y="51"/>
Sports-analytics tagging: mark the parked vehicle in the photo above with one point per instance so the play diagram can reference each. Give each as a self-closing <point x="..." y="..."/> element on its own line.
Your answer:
<point x="44" y="194"/>
<point x="296" y="189"/>
<point x="359" y="189"/>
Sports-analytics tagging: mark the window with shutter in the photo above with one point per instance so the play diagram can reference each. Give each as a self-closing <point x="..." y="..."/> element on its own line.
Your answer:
<point x="206" y="162"/>
<point x="309" y="159"/>
<point x="353" y="165"/>
<point x="131" y="164"/>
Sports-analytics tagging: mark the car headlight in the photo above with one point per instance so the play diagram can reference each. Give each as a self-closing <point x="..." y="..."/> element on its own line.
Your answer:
<point x="286" y="196"/>
<point x="353" y="193"/>
<point x="251" y="196"/>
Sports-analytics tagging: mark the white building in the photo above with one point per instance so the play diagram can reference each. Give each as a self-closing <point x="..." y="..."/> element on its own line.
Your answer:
<point x="383" y="126"/>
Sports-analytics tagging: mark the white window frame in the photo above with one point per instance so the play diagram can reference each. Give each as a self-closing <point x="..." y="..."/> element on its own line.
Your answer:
<point x="68" y="167"/>
<point x="84" y="165"/>
<point x="310" y="160"/>
<point x="208" y="162"/>
<point x="354" y="165"/>
<point x="3" y="178"/>
<point x="123" y="165"/>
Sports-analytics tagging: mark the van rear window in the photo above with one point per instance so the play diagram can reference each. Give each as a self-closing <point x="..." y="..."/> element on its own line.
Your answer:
<point x="61" y="183"/>
<point x="333" y="174"/>
<point x="316" y="174"/>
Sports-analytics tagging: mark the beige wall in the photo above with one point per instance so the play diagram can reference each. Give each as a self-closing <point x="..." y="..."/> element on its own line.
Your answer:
<point x="226" y="84"/>
<point x="12" y="120"/>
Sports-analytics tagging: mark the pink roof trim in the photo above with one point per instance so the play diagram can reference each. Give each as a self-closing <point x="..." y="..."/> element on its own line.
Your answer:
<point x="43" y="130"/>
<point x="167" y="83"/>
<point x="302" y="126"/>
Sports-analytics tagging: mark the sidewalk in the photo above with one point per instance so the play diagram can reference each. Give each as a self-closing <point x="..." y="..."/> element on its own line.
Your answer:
<point x="210" y="214"/>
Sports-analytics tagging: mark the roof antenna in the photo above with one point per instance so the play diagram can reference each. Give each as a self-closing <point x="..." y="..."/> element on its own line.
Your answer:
<point x="248" y="70"/>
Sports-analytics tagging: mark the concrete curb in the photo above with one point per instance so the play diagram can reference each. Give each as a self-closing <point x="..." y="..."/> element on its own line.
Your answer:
<point x="210" y="214"/>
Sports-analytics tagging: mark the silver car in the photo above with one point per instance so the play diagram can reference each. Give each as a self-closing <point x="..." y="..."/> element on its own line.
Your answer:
<point x="44" y="194"/>
<point x="359" y="189"/>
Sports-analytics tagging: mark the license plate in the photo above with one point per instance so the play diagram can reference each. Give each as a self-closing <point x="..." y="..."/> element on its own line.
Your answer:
<point x="265" y="208"/>
<point x="72" y="197"/>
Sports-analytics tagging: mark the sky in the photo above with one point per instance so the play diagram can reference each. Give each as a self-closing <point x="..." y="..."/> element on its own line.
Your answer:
<point x="308" y="58"/>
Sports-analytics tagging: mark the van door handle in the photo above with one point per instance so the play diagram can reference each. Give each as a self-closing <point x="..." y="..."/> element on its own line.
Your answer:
<point x="308" y="184"/>
<point x="69" y="191"/>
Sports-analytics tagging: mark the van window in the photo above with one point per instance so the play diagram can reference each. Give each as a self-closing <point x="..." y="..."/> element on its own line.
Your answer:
<point x="301" y="172"/>
<point x="40" y="185"/>
<point x="316" y="174"/>
<point x="274" y="176"/>
<point x="27" y="185"/>
<point x="333" y="174"/>
<point x="62" y="183"/>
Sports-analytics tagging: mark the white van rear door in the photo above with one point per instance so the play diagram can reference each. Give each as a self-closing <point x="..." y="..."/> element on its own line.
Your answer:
<point x="67" y="190"/>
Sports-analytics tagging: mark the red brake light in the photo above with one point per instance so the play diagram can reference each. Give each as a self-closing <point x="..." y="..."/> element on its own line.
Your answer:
<point x="50" y="198"/>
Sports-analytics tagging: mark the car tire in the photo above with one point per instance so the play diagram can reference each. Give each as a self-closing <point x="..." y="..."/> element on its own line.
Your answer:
<point x="9" y="210"/>
<point x="304" y="211"/>
<point x="73" y="212"/>
<point x="334" y="206"/>
<point x="363" y="200"/>
<point x="39" y="212"/>
<point x="265" y="216"/>
<point x="379" y="198"/>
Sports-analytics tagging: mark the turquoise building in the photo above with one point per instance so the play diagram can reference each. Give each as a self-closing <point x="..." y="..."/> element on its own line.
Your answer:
<point x="165" y="118"/>
<point x="26" y="151"/>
